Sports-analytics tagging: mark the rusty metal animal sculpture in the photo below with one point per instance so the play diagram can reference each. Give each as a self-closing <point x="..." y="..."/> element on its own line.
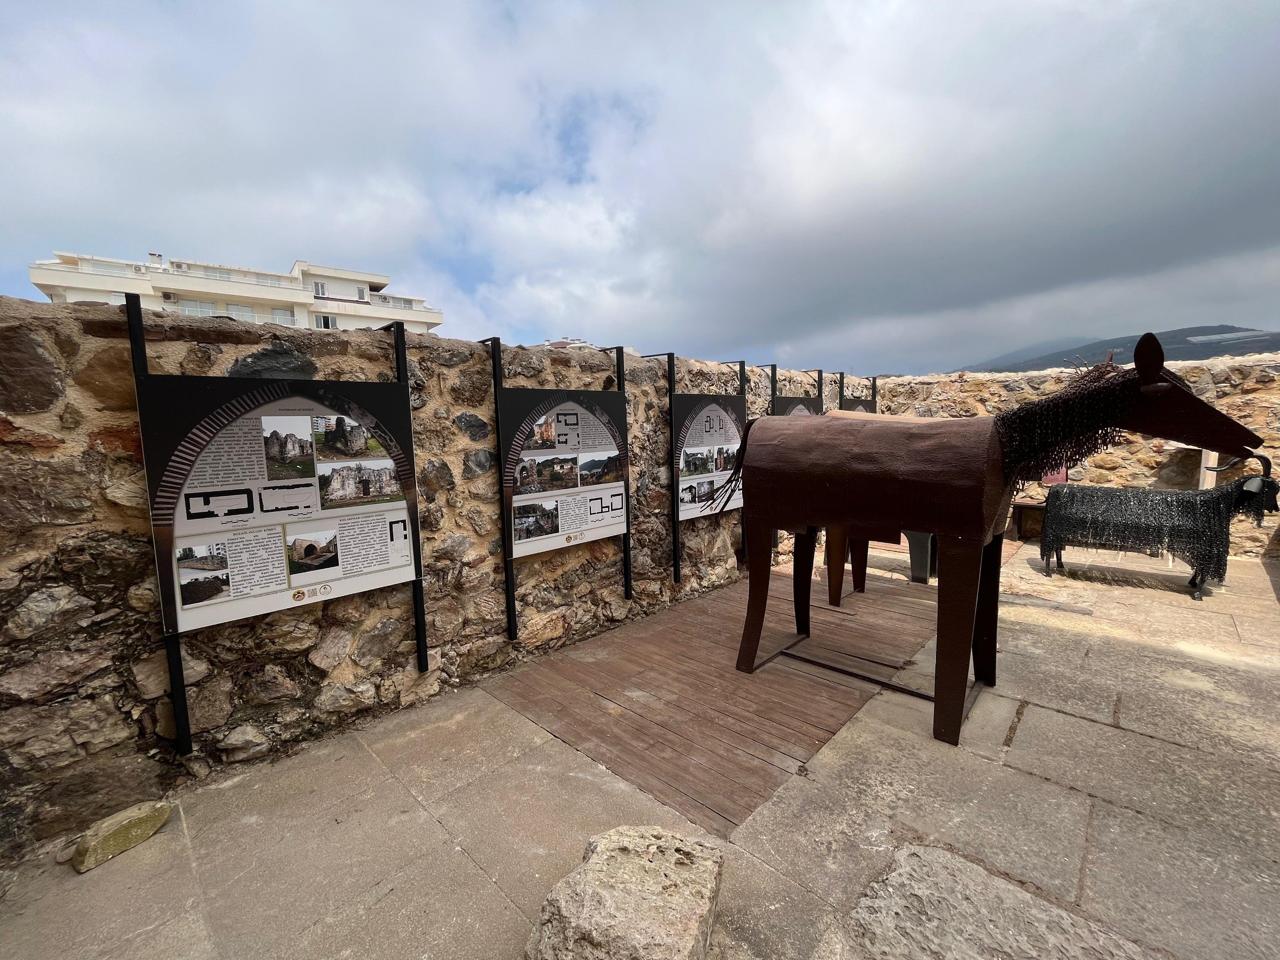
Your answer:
<point x="1192" y="525"/>
<point x="876" y="475"/>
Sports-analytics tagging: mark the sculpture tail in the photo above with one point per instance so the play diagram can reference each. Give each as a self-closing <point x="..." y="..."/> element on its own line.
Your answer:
<point x="730" y="486"/>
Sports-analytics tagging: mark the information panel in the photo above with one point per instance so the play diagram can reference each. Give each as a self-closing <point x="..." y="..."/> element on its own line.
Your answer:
<point x="270" y="494"/>
<point x="565" y="466"/>
<point x="797" y="406"/>
<point x="708" y="441"/>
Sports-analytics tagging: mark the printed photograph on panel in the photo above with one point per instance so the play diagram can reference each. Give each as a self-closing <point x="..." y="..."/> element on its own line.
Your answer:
<point x="316" y="550"/>
<point x="546" y="473"/>
<point x="356" y="484"/>
<point x="202" y="573"/>
<point x="341" y="438"/>
<point x="539" y="519"/>
<point x="286" y="442"/>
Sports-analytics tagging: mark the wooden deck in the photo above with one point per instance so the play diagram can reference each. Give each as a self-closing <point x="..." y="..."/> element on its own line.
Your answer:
<point x="659" y="703"/>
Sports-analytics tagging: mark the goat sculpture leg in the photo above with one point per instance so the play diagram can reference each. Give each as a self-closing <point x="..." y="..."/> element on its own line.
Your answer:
<point x="987" y="617"/>
<point x="802" y="575"/>
<point x="759" y="542"/>
<point x="837" y="554"/>
<point x="959" y="575"/>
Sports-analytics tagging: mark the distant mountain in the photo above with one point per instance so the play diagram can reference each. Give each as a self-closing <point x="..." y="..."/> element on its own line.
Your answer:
<point x="1187" y="343"/>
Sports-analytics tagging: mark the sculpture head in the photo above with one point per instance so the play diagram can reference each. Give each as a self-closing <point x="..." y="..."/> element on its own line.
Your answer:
<point x="1255" y="494"/>
<point x="1159" y="403"/>
<point x="1091" y="411"/>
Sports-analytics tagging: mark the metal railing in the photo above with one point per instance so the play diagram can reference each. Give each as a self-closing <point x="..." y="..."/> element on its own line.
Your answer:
<point x="153" y="271"/>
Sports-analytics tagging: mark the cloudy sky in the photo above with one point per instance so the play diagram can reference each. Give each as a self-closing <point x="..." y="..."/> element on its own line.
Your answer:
<point x="873" y="186"/>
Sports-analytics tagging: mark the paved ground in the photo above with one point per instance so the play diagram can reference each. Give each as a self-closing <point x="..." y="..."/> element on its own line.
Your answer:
<point x="1117" y="795"/>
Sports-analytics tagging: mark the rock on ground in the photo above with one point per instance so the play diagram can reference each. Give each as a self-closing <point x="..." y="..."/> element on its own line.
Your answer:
<point x="641" y="893"/>
<point x="119" y="832"/>
<point x="934" y="905"/>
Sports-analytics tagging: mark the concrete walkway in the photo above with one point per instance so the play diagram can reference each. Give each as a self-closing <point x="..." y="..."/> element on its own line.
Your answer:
<point x="1117" y="795"/>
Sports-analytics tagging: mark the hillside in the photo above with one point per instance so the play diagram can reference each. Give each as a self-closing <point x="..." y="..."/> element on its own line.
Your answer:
<point x="1186" y="343"/>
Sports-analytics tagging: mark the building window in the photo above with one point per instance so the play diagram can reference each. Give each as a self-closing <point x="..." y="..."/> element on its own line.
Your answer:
<point x="326" y="321"/>
<point x="216" y="273"/>
<point x="282" y="315"/>
<point x="196" y="308"/>
<point x="318" y="286"/>
<point x="241" y="312"/>
<point x="360" y="294"/>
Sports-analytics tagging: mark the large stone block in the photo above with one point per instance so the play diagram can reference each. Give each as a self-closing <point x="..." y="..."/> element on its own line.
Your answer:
<point x="641" y="893"/>
<point x="935" y="906"/>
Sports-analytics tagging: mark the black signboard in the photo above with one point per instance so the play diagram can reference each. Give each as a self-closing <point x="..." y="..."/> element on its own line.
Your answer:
<point x="268" y="494"/>
<point x="566" y="470"/>
<point x="706" y="440"/>
<point x="780" y="406"/>
<point x="861" y="404"/>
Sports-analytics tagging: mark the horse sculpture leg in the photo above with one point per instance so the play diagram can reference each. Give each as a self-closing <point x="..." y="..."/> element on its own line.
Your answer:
<point x="1061" y="565"/>
<point x="858" y="550"/>
<point x="987" y="618"/>
<point x="802" y="575"/>
<point x="837" y="552"/>
<point x="1196" y="583"/>
<point x="759" y="542"/>
<point x="959" y="575"/>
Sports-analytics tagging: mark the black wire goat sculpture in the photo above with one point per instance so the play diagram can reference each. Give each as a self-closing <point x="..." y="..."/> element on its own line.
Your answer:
<point x="1192" y="525"/>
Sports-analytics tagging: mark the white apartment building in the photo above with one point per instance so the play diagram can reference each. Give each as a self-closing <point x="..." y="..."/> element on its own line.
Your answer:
<point x="311" y="296"/>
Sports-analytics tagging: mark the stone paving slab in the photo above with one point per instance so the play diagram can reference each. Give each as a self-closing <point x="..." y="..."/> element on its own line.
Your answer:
<point x="1177" y="784"/>
<point x="1184" y="890"/>
<point x="761" y="914"/>
<point x="1201" y="699"/>
<point x="439" y="905"/>
<point x="876" y="783"/>
<point x="439" y="746"/>
<point x="132" y="901"/>
<point x="258" y="902"/>
<point x="527" y="822"/>
<point x="934" y="905"/>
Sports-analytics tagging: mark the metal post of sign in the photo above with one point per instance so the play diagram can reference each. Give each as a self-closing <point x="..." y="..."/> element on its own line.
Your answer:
<point x="875" y="402"/>
<point x="840" y="392"/>
<point x="818" y="380"/>
<point x="508" y="543"/>
<point x="419" y="597"/>
<point x="620" y="363"/>
<point x="172" y="645"/>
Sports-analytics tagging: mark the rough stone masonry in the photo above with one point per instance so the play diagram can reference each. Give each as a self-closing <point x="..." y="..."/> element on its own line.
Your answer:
<point x="84" y="712"/>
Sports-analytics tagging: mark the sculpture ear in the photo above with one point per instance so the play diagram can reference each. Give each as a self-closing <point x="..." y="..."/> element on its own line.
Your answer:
<point x="1253" y="485"/>
<point x="1148" y="357"/>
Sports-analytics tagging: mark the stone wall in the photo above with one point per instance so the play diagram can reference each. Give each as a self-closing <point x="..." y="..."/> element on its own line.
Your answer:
<point x="83" y="712"/>
<point x="84" y="717"/>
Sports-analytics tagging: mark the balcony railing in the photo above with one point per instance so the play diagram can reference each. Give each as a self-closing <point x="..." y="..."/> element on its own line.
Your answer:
<point x="289" y="321"/>
<point x="160" y="274"/>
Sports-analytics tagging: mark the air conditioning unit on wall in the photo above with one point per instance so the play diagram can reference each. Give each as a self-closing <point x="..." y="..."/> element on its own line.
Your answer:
<point x="139" y="268"/>
<point x="181" y="267"/>
<point x="169" y="297"/>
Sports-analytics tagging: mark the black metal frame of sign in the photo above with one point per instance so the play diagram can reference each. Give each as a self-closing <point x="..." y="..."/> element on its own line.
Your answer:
<point x="178" y="418"/>
<point x="861" y="404"/>
<point x="782" y="406"/>
<point x="516" y="410"/>
<point x="681" y="409"/>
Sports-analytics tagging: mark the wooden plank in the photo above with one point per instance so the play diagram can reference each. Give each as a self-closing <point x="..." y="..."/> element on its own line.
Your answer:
<point x="566" y="728"/>
<point x="702" y="740"/>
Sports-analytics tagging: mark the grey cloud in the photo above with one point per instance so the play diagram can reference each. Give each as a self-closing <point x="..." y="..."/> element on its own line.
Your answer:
<point x="879" y="186"/>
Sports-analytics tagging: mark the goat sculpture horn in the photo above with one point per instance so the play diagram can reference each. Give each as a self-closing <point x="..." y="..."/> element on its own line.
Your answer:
<point x="1265" y="461"/>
